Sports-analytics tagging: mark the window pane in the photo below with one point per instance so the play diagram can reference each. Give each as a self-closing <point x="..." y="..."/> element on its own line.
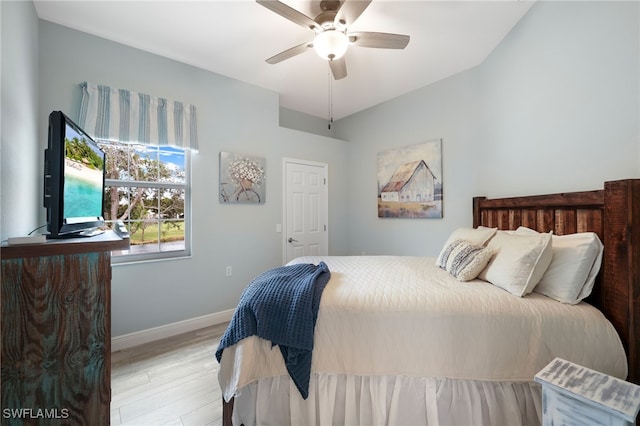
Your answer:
<point x="118" y="160"/>
<point x="146" y="163"/>
<point x="171" y="165"/>
<point x="116" y="202"/>
<point x="172" y="204"/>
<point x="144" y="220"/>
<point x="144" y="236"/>
<point x="172" y="235"/>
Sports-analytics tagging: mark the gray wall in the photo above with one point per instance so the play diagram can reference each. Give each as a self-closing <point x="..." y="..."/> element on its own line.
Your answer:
<point x="555" y="107"/>
<point x="20" y="148"/>
<point x="445" y="110"/>
<point x="561" y="100"/>
<point x="307" y="123"/>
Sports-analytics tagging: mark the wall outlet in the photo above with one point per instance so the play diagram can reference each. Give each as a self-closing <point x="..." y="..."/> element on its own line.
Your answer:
<point x="229" y="271"/>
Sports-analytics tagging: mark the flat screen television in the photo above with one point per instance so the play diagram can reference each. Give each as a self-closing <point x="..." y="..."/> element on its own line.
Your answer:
<point x="74" y="171"/>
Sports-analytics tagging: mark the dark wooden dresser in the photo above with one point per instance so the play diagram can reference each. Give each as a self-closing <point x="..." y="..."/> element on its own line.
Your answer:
<point x="56" y="331"/>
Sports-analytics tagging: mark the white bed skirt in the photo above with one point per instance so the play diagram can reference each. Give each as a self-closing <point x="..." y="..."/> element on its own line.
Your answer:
<point x="388" y="400"/>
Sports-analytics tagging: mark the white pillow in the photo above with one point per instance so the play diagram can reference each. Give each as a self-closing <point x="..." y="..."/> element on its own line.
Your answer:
<point x="519" y="261"/>
<point x="574" y="266"/>
<point x="464" y="260"/>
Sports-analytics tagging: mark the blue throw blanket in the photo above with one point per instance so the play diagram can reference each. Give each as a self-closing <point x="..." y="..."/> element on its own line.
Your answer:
<point x="281" y="305"/>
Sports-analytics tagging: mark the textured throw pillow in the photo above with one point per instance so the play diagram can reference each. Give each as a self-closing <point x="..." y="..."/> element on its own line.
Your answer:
<point x="478" y="236"/>
<point x="464" y="260"/>
<point x="574" y="266"/>
<point x="519" y="261"/>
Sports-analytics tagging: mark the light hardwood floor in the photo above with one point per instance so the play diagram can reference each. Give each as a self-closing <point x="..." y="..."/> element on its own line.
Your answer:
<point x="169" y="382"/>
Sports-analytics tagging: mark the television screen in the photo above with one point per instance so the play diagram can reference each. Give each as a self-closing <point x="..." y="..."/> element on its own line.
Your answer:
<point x="83" y="177"/>
<point x="74" y="173"/>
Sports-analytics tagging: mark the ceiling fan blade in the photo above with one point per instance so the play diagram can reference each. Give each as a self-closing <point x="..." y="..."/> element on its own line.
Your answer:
<point x="289" y="53"/>
<point x="338" y="68"/>
<point x="350" y="11"/>
<point x="379" y="40"/>
<point x="288" y="12"/>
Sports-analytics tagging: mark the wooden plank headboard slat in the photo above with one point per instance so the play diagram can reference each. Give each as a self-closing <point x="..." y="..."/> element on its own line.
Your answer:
<point x="546" y="220"/>
<point x="565" y="221"/>
<point x="589" y="219"/>
<point x="529" y="218"/>
<point x="515" y="216"/>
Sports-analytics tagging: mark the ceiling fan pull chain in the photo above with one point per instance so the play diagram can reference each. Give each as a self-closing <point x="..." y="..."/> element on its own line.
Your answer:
<point x="330" y="97"/>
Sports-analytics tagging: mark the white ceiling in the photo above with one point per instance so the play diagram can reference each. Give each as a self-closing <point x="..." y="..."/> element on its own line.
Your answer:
<point x="234" y="37"/>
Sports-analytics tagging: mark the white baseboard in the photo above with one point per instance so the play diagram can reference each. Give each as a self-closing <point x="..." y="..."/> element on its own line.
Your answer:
<point x="156" y="333"/>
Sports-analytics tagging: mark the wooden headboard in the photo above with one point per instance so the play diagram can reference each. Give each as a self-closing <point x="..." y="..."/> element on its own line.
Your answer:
<point x="612" y="213"/>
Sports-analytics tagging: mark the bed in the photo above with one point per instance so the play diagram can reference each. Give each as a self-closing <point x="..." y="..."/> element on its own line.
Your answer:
<point x="439" y="355"/>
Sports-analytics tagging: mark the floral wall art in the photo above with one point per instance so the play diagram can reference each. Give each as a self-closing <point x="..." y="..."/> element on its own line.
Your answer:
<point x="242" y="178"/>
<point x="410" y="181"/>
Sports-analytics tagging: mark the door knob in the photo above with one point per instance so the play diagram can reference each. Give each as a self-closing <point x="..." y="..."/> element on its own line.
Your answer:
<point x="291" y="240"/>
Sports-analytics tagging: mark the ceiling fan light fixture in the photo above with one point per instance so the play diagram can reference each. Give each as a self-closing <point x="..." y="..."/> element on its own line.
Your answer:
<point x="331" y="44"/>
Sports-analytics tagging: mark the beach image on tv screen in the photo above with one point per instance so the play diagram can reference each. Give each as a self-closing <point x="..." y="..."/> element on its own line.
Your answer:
<point x="83" y="171"/>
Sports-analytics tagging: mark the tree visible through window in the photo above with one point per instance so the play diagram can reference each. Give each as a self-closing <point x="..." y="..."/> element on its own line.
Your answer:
<point x="147" y="187"/>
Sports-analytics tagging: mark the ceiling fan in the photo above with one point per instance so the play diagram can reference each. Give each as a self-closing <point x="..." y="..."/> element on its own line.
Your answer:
<point x="331" y="32"/>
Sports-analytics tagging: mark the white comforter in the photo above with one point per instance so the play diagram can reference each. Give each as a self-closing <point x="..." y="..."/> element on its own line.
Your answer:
<point x="403" y="316"/>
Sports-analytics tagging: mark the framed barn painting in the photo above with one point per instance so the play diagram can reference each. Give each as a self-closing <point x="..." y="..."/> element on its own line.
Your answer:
<point x="410" y="181"/>
<point x="242" y="178"/>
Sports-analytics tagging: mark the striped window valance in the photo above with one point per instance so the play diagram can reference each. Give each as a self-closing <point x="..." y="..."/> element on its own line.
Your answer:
<point x="107" y="113"/>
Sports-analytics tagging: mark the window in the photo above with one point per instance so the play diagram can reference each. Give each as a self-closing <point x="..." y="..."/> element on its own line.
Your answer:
<point x="147" y="185"/>
<point x="148" y="188"/>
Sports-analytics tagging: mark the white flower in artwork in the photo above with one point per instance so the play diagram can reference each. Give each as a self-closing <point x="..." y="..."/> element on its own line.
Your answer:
<point x="243" y="169"/>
